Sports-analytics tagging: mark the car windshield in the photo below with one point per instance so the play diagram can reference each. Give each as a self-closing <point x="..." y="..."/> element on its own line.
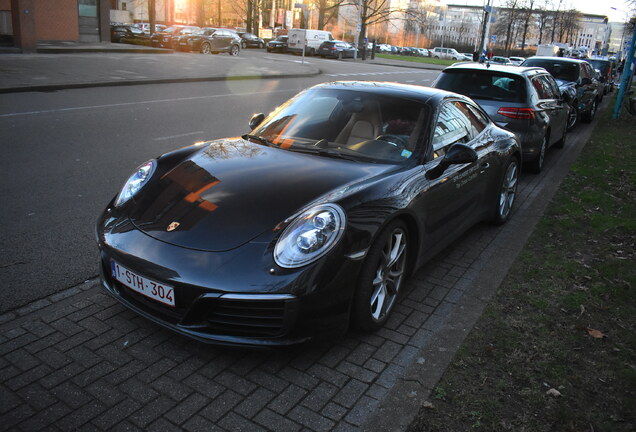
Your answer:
<point x="565" y="71"/>
<point x="602" y="65"/>
<point x="348" y="124"/>
<point x="481" y="84"/>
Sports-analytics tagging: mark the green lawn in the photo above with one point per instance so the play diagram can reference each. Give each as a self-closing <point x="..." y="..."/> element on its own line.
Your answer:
<point x="428" y="60"/>
<point x="556" y="348"/>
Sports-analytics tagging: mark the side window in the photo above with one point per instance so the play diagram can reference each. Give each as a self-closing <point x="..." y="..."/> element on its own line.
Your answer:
<point x="540" y="87"/>
<point x="553" y="85"/>
<point x="477" y="123"/>
<point x="452" y="127"/>
<point x="548" y="88"/>
<point x="585" y="73"/>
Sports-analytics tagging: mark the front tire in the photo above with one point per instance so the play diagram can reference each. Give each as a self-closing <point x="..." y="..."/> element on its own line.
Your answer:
<point x="234" y="50"/>
<point x="206" y="48"/>
<point x="573" y="116"/>
<point x="507" y="192"/>
<point x="381" y="278"/>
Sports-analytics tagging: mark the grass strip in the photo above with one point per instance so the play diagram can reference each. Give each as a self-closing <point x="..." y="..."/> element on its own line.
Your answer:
<point x="555" y="348"/>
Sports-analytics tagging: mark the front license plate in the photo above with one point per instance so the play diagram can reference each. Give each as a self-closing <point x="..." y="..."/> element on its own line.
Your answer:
<point x="154" y="290"/>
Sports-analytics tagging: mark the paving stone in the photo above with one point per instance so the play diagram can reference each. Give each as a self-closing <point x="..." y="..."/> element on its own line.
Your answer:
<point x="350" y="393"/>
<point x="74" y="341"/>
<point x="21" y="359"/>
<point x="374" y="365"/>
<point x="357" y="372"/>
<point x="83" y="356"/>
<point x="335" y="355"/>
<point x="17" y="342"/>
<point x="41" y="343"/>
<point x="158" y="369"/>
<point x="14" y="416"/>
<point x="406" y="356"/>
<point x="125" y="426"/>
<point x="221" y="405"/>
<point x="236" y="383"/>
<point x="360" y="412"/>
<point x="94" y="325"/>
<point x="67" y="327"/>
<point x="387" y="351"/>
<point x="171" y="388"/>
<point x="70" y="394"/>
<point x="6" y="317"/>
<point x="38" y="328"/>
<point x="9" y="399"/>
<point x="311" y="419"/>
<point x="123" y="373"/>
<point x="105" y="392"/>
<point x="115" y="355"/>
<point x="198" y="423"/>
<point x="64" y="294"/>
<point x="152" y="411"/>
<point x="26" y="378"/>
<point x="254" y="403"/>
<point x="187" y="408"/>
<point x="393" y="335"/>
<point x="299" y="378"/>
<point x="53" y="358"/>
<point x="84" y="312"/>
<point x="318" y="397"/>
<point x="162" y="425"/>
<point x="275" y="422"/>
<point x="45" y="419"/>
<point x="327" y="374"/>
<point x="79" y="417"/>
<point x="183" y="370"/>
<point x="267" y="380"/>
<point x="362" y="353"/>
<point x="333" y="411"/>
<point x="93" y="373"/>
<point x="114" y="415"/>
<point x="287" y="399"/>
<point x="139" y="391"/>
<point x="390" y="375"/>
<point x="235" y="422"/>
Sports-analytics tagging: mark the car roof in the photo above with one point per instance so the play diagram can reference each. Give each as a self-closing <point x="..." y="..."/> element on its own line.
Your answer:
<point x="510" y="69"/>
<point x="410" y="91"/>
<point x="560" y="59"/>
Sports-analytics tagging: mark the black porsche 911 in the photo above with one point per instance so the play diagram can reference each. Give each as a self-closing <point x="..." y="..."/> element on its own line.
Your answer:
<point x="313" y="220"/>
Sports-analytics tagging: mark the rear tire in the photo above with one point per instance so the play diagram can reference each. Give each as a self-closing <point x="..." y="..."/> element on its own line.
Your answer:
<point x="206" y="48"/>
<point x="537" y="165"/>
<point x="573" y="116"/>
<point x="589" y="115"/>
<point x="382" y="275"/>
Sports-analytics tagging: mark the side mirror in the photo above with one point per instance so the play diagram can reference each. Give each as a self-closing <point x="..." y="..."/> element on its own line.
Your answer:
<point x="457" y="154"/>
<point x="256" y="120"/>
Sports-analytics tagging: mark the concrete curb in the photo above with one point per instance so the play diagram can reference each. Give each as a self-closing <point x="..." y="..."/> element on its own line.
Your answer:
<point x="55" y="87"/>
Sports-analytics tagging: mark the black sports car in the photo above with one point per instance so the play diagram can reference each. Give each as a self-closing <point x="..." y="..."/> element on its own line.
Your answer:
<point x="278" y="45"/>
<point x="310" y="222"/>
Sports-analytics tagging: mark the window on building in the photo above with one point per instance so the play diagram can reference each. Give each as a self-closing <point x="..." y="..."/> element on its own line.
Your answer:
<point x="87" y="8"/>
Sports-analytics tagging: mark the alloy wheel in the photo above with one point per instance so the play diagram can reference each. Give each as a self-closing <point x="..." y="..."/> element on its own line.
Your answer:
<point x="205" y="48"/>
<point x="508" y="190"/>
<point x="573" y="116"/>
<point x="389" y="274"/>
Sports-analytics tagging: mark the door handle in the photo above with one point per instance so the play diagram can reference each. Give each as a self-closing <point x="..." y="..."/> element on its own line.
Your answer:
<point x="484" y="167"/>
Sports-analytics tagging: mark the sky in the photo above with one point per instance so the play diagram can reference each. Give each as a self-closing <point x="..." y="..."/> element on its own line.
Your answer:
<point x="597" y="7"/>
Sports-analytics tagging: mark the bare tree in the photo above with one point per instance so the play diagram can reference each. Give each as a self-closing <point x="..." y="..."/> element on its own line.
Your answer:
<point x="527" y="13"/>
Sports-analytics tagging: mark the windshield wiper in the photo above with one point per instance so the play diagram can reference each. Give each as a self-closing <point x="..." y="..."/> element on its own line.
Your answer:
<point x="259" y="139"/>
<point x="323" y="152"/>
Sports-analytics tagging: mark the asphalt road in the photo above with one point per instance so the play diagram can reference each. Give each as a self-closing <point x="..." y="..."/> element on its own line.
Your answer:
<point x="68" y="152"/>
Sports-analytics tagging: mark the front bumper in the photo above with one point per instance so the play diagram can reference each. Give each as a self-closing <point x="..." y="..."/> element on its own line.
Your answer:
<point x="238" y="297"/>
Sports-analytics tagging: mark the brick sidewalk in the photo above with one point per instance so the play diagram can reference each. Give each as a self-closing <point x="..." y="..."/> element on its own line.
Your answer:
<point x="79" y="360"/>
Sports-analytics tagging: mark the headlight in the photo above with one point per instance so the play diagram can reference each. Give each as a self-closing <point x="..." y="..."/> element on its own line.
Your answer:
<point x="310" y="236"/>
<point x="136" y="182"/>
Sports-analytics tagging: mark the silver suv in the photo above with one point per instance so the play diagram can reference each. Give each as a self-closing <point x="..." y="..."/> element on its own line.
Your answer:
<point x="447" y="53"/>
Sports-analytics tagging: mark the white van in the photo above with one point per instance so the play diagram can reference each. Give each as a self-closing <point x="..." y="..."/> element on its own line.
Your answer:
<point x="311" y="39"/>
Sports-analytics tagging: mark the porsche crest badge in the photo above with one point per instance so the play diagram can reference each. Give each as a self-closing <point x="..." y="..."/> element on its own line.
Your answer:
<point x="173" y="226"/>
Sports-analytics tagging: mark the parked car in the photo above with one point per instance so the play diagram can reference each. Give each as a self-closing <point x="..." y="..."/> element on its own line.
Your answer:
<point x="144" y="28"/>
<point x="248" y="40"/>
<point x="525" y="100"/>
<point x="312" y="39"/>
<point x="211" y="41"/>
<point x="447" y="53"/>
<point x="468" y="56"/>
<point x="336" y="49"/>
<point x="167" y="38"/>
<point x="576" y="79"/>
<point x="352" y="186"/>
<point x="516" y="60"/>
<point x="500" y="60"/>
<point x="278" y="45"/>
<point x="117" y="32"/>
<point x="606" y="72"/>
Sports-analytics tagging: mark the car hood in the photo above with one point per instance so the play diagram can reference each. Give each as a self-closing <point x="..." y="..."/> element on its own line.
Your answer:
<point x="231" y="191"/>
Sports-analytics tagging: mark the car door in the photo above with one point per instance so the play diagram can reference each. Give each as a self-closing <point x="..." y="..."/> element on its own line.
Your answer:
<point x="587" y="87"/>
<point x="559" y="119"/>
<point x="549" y="108"/>
<point x="454" y="199"/>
